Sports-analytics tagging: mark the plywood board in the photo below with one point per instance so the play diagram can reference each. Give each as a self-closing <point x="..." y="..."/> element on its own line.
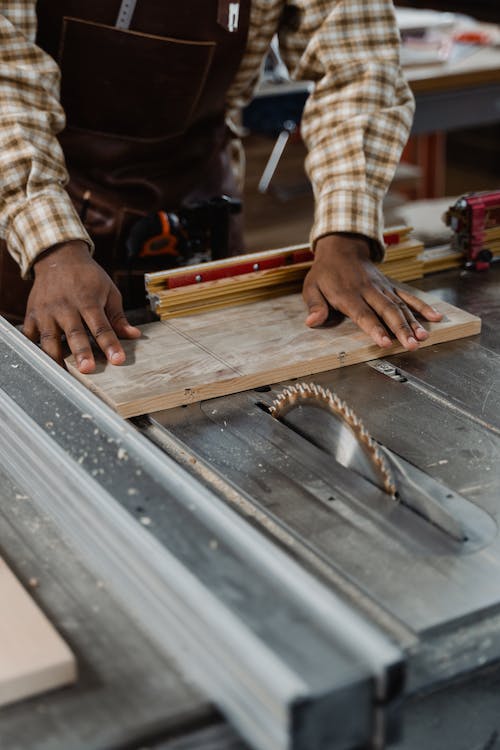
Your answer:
<point x="33" y="656"/>
<point x="189" y="359"/>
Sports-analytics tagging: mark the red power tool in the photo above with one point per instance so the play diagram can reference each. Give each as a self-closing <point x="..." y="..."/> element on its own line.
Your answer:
<point x="475" y="220"/>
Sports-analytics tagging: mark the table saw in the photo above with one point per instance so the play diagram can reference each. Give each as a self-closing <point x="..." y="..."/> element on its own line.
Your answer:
<point x="225" y="583"/>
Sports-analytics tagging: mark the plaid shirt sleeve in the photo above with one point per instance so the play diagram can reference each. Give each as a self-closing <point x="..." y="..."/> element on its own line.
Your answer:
<point x="358" y="117"/>
<point x="355" y="122"/>
<point x="35" y="210"/>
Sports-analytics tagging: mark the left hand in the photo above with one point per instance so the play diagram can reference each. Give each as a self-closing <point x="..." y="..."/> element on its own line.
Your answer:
<point x="71" y="291"/>
<point x="343" y="276"/>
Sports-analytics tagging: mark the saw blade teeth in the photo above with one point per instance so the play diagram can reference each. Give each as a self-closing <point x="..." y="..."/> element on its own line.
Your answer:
<point x="293" y="395"/>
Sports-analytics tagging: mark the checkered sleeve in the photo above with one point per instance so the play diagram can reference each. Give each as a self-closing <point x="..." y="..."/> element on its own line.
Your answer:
<point x="358" y="117"/>
<point x="35" y="210"/>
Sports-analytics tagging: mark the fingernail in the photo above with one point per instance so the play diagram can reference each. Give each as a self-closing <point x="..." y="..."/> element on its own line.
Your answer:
<point x="386" y="341"/>
<point x="312" y="319"/>
<point x="422" y="331"/>
<point x="84" y="363"/>
<point x="116" y="357"/>
<point x="412" y="341"/>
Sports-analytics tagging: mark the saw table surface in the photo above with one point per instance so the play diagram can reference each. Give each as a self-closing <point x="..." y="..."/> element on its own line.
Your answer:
<point x="441" y="604"/>
<point x="127" y="693"/>
<point x="442" y="415"/>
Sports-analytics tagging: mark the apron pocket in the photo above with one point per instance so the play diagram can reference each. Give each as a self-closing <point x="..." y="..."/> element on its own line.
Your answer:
<point x="129" y="84"/>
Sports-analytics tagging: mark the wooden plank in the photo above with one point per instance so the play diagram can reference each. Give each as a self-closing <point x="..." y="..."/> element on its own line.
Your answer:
<point x="226" y="351"/>
<point x="33" y="656"/>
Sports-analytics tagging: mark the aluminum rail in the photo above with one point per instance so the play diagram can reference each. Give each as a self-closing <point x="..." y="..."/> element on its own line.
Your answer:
<point x="285" y="658"/>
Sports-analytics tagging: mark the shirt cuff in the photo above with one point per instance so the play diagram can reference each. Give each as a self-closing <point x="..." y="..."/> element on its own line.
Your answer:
<point x="46" y="220"/>
<point x="354" y="212"/>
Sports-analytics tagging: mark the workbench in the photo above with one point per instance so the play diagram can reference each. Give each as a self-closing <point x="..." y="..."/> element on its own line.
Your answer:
<point x="455" y="95"/>
<point x="463" y="92"/>
<point x="485" y="10"/>
<point x="104" y="587"/>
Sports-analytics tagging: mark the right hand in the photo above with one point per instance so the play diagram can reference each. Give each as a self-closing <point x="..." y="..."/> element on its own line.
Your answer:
<point x="70" y="291"/>
<point x="343" y="276"/>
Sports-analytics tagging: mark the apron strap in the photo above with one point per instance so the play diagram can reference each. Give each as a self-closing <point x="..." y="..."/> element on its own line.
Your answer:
<point x="125" y="14"/>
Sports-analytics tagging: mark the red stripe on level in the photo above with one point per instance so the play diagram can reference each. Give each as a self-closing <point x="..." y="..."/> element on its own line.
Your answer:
<point x="392" y="239"/>
<point x="213" y="271"/>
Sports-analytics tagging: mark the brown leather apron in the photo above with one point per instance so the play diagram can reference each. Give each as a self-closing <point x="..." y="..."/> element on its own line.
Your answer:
<point x="145" y="116"/>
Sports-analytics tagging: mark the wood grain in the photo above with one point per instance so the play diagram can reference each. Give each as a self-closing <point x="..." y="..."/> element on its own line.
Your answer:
<point x="213" y="354"/>
<point x="33" y="656"/>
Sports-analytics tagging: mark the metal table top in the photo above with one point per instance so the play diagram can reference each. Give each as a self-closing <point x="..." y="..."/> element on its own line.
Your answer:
<point x="446" y="418"/>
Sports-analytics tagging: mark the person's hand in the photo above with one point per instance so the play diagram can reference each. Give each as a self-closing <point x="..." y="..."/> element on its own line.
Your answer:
<point x="72" y="291"/>
<point x="343" y="276"/>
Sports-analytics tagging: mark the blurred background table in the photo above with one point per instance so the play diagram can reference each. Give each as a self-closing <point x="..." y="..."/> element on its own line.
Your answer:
<point x="454" y="147"/>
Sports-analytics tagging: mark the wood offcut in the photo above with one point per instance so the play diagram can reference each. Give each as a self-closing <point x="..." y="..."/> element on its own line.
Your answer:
<point x="33" y="656"/>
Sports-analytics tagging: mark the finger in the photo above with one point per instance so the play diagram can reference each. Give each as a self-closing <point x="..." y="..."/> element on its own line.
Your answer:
<point x="102" y="331"/>
<point x="30" y="328"/>
<point x="421" y="307"/>
<point x="117" y="317"/>
<point x="365" y="318"/>
<point x="78" y="341"/>
<point x="316" y="304"/>
<point x="50" y="340"/>
<point x="394" y="315"/>
<point x="418" y="330"/>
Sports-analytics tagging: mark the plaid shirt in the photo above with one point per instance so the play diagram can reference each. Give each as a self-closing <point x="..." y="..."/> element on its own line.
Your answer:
<point x="355" y="122"/>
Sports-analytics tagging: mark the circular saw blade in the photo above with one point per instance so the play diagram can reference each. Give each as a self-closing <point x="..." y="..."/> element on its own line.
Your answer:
<point x="350" y="435"/>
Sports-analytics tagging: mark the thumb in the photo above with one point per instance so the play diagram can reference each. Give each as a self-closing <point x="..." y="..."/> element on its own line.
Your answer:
<point x="316" y="304"/>
<point x="117" y="317"/>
